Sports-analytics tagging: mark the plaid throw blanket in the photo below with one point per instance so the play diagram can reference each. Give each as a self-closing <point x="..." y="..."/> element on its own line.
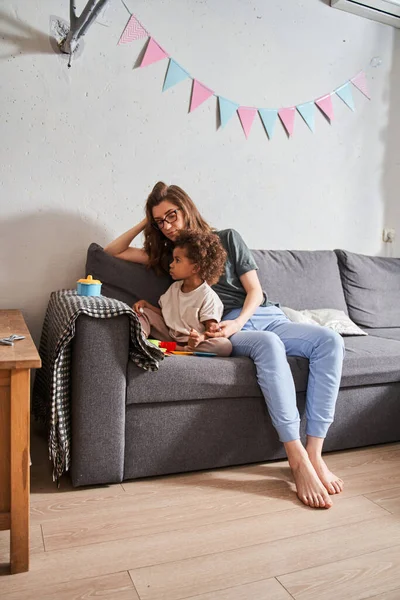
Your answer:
<point x="51" y="392"/>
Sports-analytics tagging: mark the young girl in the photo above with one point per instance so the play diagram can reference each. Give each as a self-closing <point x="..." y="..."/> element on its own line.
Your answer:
<point x="260" y="331"/>
<point x="189" y="308"/>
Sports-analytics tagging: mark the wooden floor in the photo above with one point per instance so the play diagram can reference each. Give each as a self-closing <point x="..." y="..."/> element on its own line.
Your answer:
<point x="231" y="534"/>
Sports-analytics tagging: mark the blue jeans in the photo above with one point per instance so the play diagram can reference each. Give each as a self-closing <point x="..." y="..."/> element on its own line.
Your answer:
<point x="267" y="338"/>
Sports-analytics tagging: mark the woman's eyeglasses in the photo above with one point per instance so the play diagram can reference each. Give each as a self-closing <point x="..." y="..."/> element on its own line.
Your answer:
<point x="169" y="218"/>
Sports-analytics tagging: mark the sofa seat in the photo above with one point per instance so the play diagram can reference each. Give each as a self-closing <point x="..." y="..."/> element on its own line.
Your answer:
<point x="182" y="378"/>
<point x="390" y="333"/>
<point x="369" y="361"/>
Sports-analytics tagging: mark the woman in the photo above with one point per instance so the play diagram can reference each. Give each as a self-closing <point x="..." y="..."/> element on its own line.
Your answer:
<point x="259" y="330"/>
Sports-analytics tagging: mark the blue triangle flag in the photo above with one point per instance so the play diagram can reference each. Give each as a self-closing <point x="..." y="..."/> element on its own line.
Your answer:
<point x="175" y="74"/>
<point x="268" y="117"/>
<point x="344" y="92"/>
<point x="307" y="111"/>
<point x="226" y="110"/>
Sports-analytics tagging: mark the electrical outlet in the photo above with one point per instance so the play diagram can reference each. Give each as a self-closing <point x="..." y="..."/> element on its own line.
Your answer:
<point x="388" y="235"/>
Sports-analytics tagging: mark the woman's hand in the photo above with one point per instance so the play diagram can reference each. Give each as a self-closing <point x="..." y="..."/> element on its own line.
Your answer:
<point x="195" y="338"/>
<point x="226" y="329"/>
<point x="138" y="306"/>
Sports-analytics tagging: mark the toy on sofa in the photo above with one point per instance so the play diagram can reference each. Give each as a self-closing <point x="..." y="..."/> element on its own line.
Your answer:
<point x="170" y="348"/>
<point x="88" y="287"/>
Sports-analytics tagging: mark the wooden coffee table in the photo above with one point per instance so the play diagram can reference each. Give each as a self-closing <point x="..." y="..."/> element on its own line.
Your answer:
<point x="15" y="364"/>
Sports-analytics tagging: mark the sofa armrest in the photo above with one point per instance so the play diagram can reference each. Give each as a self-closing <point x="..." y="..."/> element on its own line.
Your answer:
<point x="98" y="397"/>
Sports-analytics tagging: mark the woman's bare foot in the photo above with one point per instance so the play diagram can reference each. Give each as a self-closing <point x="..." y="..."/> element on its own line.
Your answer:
<point x="332" y="483"/>
<point x="310" y="489"/>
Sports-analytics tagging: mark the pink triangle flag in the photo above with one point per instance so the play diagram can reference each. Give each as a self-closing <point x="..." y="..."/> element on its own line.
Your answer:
<point x="200" y="93"/>
<point x="287" y="115"/>
<point x="246" y="116"/>
<point x="133" y="31"/>
<point x="325" y="104"/>
<point x="360" y="81"/>
<point x="153" y="53"/>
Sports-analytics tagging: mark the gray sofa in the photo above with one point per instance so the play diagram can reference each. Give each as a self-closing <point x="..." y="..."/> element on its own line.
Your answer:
<point x="201" y="413"/>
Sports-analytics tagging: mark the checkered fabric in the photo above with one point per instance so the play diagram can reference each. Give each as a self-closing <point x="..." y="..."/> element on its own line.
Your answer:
<point x="51" y="392"/>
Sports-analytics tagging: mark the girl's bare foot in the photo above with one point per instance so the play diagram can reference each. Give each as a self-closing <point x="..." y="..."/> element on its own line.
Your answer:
<point x="310" y="490"/>
<point x="332" y="483"/>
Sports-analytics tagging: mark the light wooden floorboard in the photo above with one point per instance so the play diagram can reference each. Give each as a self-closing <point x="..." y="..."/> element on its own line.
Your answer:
<point x="356" y="578"/>
<point x="234" y="531"/>
<point x="244" y="484"/>
<point x="229" y="534"/>
<point x="393" y="595"/>
<point x="388" y="499"/>
<point x="118" y="586"/>
<point x="211" y="543"/>
<point x="35" y="542"/>
<point x="266" y="589"/>
<point x="183" y="578"/>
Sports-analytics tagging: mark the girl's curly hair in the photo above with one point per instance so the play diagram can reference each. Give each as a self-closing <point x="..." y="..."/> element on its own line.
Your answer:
<point x="204" y="249"/>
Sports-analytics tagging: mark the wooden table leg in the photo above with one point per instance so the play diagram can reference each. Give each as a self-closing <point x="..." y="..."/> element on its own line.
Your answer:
<point x="20" y="411"/>
<point x="5" y="421"/>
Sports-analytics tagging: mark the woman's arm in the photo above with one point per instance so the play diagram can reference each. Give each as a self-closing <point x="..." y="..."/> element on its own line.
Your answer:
<point x="254" y="297"/>
<point x="120" y="247"/>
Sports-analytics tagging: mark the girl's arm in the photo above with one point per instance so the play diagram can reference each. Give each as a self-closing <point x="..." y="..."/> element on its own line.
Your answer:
<point x="120" y="247"/>
<point x="254" y="297"/>
<point x="144" y="304"/>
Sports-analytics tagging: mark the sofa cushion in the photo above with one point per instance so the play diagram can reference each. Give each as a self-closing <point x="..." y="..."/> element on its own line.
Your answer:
<point x="390" y="333"/>
<point x="301" y="279"/>
<point x="372" y="288"/>
<point x="125" y="280"/>
<point x="181" y="378"/>
<point x="368" y="361"/>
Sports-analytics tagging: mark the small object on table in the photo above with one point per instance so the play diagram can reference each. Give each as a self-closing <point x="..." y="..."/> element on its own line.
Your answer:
<point x="88" y="287"/>
<point x="9" y="341"/>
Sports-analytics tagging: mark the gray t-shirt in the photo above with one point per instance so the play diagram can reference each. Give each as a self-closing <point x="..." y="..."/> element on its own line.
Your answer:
<point x="239" y="261"/>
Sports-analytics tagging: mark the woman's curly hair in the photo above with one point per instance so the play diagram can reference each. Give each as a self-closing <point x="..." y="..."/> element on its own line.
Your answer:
<point x="204" y="249"/>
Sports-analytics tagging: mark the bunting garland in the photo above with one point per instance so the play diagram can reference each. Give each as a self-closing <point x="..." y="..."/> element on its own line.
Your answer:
<point x="134" y="30"/>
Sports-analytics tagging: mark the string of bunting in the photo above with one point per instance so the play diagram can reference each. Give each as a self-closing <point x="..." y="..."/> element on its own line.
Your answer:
<point x="134" y="30"/>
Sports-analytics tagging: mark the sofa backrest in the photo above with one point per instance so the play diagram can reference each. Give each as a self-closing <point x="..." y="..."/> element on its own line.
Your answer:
<point x="301" y="279"/>
<point x="297" y="279"/>
<point x="125" y="280"/>
<point x="371" y="286"/>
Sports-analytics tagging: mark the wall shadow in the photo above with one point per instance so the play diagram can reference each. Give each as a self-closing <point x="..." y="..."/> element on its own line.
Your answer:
<point x="39" y="253"/>
<point x="391" y="173"/>
<point x="22" y="38"/>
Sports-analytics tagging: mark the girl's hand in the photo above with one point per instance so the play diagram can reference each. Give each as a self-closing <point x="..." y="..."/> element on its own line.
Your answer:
<point x="195" y="338"/>
<point x="226" y="329"/>
<point x="213" y="327"/>
<point x="138" y="306"/>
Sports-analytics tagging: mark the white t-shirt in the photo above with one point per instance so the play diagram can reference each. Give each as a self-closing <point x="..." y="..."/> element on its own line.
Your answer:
<point x="185" y="311"/>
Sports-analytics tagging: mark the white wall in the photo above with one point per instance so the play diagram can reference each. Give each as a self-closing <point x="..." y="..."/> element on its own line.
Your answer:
<point x="81" y="148"/>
